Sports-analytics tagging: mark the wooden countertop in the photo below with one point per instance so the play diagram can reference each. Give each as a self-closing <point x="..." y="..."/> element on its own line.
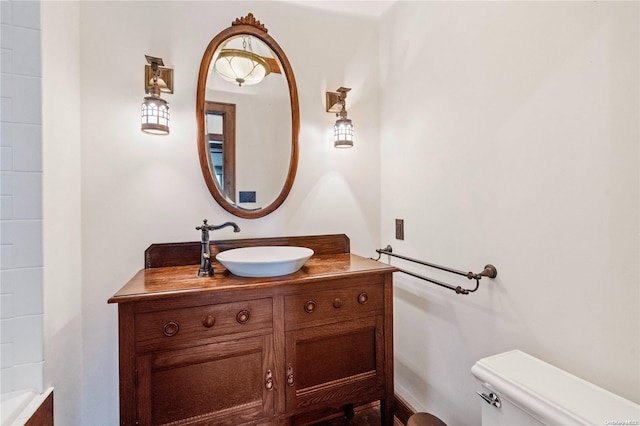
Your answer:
<point x="171" y="281"/>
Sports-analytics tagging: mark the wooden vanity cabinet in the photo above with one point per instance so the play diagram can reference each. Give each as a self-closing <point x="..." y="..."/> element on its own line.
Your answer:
<point x="335" y="345"/>
<point x="227" y="350"/>
<point x="209" y="364"/>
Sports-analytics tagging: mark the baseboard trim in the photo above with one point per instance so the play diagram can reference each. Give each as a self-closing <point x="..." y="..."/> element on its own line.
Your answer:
<point x="401" y="413"/>
<point x="402" y="410"/>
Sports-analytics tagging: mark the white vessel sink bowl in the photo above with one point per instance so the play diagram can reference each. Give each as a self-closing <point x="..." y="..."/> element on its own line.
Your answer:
<point x="267" y="261"/>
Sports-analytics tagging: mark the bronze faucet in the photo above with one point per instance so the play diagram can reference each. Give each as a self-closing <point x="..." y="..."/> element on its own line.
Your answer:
<point x="206" y="270"/>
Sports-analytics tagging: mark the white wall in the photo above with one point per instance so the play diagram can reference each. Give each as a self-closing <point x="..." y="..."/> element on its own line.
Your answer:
<point x="62" y="214"/>
<point x="509" y="135"/>
<point x="138" y="189"/>
<point x="21" y="262"/>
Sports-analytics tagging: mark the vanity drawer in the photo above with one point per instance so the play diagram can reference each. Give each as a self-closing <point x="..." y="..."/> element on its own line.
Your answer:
<point x="178" y="327"/>
<point x="319" y="307"/>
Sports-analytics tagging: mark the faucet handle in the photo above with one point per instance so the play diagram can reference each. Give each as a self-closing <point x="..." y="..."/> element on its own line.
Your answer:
<point x="203" y="226"/>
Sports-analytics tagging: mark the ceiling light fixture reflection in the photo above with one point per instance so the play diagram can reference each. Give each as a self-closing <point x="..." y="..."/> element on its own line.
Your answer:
<point x="242" y="66"/>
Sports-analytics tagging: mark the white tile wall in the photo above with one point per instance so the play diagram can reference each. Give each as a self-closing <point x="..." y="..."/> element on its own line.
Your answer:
<point x="6" y="353"/>
<point x="26" y="56"/>
<point x="27" y="296"/>
<point x="27" y="243"/>
<point x="6" y="256"/>
<point x="5" y="60"/>
<point x="24" y="94"/>
<point x="26" y="349"/>
<point x="27" y="196"/>
<point x="5" y="12"/>
<point x="6" y="179"/>
<point x="28" y="376"/>
<point x="6" y="158"/>
<point x="6" y="282"/>
<point x="6" y="206"/>
<point x="6" y="306"/>
<point x="6" y="330"/>
<point x="21" y="265"/>
<point x="27" y="155"/>
<point x="6" y="35"/>
<point x="25" y="14"/>
<point x="6" y="376"/>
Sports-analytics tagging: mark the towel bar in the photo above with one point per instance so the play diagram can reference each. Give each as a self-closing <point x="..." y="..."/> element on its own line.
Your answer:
<point x="489" y="271"/>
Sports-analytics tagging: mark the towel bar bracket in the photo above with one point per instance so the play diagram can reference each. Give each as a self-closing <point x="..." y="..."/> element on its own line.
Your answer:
<point x="489" y="271"/>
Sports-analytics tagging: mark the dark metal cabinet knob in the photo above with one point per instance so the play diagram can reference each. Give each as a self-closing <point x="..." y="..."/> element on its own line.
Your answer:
<point x="171" y="328"/>
<point x="363" y="298"/>
<point x="337" y="303"/>
<point x="290" y="379"/>
<point x="243" y="316"/>
<point x="209" y="321"/>
<point x="268" y="381"/>
<point x="309" y="306"/>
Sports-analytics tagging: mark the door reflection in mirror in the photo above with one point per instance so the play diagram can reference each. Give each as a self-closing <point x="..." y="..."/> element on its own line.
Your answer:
<point x="221" y="136"/>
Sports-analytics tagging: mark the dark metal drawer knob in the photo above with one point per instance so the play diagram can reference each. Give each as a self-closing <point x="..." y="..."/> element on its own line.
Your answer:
<point x="243" y="316"/>
<point x="268" y="381"/>
<point x="171" y="328"/>
<point x="337" y="303"/>
<point x="309" y="306"/>
<point x="290" y="378"/>
<point x="209" y="321"/>
<point x="363" y="298"/>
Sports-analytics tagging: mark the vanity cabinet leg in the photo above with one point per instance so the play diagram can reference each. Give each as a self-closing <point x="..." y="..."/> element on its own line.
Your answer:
<point x="348" y="412"/>
<point x="386" y="412"/>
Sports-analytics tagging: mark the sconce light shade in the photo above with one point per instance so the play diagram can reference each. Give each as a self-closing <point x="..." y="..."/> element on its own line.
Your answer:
<point x="343" y="133"/>
<point x="155" y="116"/>
<point x="343" y="129"/>
<point x="241" y="66"/>
<point x="155" y="110"/>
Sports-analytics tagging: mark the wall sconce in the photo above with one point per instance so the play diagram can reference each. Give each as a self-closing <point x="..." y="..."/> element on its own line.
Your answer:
<point x="155" y="110"/>
<point x="343" y="129"/>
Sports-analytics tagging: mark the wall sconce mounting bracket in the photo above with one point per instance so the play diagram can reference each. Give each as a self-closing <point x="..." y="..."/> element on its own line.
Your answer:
<point x="335" y="100"/>
<point x="165" y="75"/>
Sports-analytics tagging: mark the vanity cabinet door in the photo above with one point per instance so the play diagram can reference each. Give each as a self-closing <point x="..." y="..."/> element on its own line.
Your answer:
<point x="226" y="383"/>
<point x="336" y="364"/>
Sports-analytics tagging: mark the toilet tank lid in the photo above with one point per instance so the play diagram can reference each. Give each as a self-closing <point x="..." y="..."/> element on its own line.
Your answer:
<point x="550" y="394"/>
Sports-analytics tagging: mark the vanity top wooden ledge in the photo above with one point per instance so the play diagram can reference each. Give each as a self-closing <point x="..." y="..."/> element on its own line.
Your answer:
<point x="171" y="268"/>
<point x="170" y="281"/>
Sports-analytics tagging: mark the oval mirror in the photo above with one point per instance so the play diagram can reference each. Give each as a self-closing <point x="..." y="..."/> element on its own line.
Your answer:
<point x="248" y="120"/>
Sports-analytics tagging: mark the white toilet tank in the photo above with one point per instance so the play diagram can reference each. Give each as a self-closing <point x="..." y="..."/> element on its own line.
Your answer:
<point x="532" y="392"/>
